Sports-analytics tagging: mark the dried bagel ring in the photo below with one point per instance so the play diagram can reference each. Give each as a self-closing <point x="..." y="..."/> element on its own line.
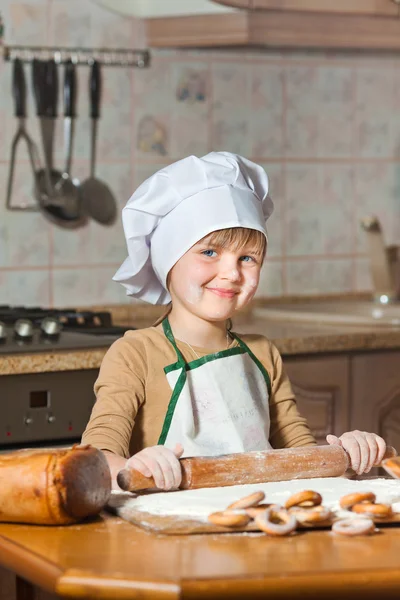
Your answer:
<point x="305" y="498"/>
<point x="247" y="501"/>
<point x="352" y="527"/>
<point x="380" y="511"/>
<point x="253" y="511"/>
<point x="276" y="521"/>
<point x="229" y="518"/>
<point x="350" y="500"/>
<point x="316" y="514"/>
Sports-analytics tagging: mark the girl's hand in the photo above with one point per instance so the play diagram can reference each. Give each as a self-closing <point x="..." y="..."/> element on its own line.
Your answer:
<point x="365" y="449"/>
<point x="160" y="463"/>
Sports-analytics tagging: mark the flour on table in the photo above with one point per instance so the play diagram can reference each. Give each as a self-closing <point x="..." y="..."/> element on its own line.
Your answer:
<point x="198" y="504"/>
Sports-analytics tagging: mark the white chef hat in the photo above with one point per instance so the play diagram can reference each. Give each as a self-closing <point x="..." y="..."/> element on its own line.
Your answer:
<point x="180" y="204"/>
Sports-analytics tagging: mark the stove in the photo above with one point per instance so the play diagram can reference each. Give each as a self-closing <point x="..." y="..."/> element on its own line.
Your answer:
<point x="34" y="329"/>
<point x="50" y="408"/>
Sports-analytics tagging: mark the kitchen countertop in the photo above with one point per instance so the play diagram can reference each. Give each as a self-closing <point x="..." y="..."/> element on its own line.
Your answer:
<point x="290" y="339"/>
<point x="109" y="558"/>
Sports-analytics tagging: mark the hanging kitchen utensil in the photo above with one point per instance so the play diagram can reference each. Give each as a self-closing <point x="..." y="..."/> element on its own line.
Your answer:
<point x="98" y="200"/>
<point x="66" y="189"/>
<point x="19" y="94"/>
<point x="45" y="83"/>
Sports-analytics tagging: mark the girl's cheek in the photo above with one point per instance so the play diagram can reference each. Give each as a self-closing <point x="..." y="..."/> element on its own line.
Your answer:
<point x="193" y="292"/>
<point x="250" y="286"/>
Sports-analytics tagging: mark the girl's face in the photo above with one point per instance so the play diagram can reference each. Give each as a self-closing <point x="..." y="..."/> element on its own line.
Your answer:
<point x="214" y="282"/>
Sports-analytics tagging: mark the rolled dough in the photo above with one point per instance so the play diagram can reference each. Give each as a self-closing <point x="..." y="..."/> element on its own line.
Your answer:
<point x="198" y="504"/>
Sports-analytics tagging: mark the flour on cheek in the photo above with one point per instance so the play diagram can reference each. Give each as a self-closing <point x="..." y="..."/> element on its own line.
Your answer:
<point x="193" y="293"/>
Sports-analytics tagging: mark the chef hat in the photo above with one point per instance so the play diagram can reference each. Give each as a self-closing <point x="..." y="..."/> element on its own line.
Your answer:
<point x="180" y="204"/>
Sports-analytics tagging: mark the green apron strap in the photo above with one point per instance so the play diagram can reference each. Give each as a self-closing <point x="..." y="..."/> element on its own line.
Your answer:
<point x="170" y="337"/>
<point x="254" y="357"/>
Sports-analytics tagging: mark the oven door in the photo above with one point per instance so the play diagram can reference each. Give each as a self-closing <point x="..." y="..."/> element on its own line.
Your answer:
<point x="45" y="407"/>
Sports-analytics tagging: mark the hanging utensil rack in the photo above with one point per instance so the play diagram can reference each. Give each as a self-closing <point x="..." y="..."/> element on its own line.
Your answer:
<point x="109" y="57"/>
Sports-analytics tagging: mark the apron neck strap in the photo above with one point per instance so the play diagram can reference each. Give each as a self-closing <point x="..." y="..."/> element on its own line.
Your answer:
<point x="170" y="337"/>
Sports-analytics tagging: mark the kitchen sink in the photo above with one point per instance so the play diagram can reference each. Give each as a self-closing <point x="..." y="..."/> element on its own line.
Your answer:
<point x="350" y="313"/>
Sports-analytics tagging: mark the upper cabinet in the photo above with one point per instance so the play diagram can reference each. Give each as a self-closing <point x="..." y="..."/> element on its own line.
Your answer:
<point x="339" y="24"/>
<point x="349" y="7"/>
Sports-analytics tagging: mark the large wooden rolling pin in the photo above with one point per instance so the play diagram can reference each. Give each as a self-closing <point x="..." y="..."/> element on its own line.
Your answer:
<point x="251" y="467"/>
<point x="53" y="486"/>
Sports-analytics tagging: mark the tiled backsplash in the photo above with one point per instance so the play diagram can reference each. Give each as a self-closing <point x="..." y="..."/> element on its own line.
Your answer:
<point x="326" y="127"/>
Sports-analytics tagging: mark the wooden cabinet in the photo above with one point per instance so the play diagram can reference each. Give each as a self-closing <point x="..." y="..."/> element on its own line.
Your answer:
<point x="375" y="392"/>
<point x="346" y="24"/>
<point x="321" y="386"/>
<point x="355" y="7"/>
<point x="338" y="393"/>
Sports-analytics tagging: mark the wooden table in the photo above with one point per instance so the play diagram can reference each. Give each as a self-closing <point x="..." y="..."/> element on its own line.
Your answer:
<point x="112" y="559"/>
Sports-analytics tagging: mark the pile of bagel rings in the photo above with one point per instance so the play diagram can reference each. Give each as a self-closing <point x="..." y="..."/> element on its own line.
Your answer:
<point x="304" y="508"/>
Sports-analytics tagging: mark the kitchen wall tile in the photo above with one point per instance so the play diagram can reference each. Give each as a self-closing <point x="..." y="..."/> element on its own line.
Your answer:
<point x="18" y="18"/>
<point x="266" y="111"/>
<point x="377" y="120"/>
<point x="95" y="243"/>
<point x="231" y="92"/>
<point x="143" y="172"/>
<point x="301" y="135"/>
<point x="24" y="235"/>
<point x="29" y="288"/>
<point x="377" y="190"/>
<point x="319" y="209"/>
<point x="109" y="29"/>
<point x="69" y="24"/>
<point x="74" y="287"/>
<point x="271" y="280"/>
<point x="316" y="276"/>
<point x="336" y="99"/>
<point x="87" y="286"/>
<point x="108" y="290"/>
<point x="152" y="87"/>
<point x="190" y="109"/>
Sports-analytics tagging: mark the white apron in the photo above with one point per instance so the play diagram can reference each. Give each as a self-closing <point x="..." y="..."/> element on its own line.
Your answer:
<point x="219" y="403"/>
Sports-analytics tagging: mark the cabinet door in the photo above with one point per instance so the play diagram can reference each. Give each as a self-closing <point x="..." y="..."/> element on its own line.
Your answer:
<point x="321" y="386"/>
<point x="362" y="7"/>
<point x="376" y="395"/>
<point x="7" y="584"/>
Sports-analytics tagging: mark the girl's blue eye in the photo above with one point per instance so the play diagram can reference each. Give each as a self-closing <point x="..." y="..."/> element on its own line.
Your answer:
<point x="247" y="259"/>
<point x="210" y="253"/>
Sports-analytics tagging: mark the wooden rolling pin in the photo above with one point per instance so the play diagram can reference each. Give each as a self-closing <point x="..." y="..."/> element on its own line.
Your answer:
<point x="392" y="466"/>
<point x="53" y="486"/>
<point x="251" y="467"/>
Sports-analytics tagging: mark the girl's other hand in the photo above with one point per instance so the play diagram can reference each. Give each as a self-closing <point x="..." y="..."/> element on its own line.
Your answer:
<point x="160" y="463"/>
<point x="365" y="449"/>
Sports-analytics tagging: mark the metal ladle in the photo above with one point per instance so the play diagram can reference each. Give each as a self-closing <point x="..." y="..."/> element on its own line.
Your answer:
<point x="51" y="203"/>
<point x="98" y="199"/>
<point x="66" y="189"/>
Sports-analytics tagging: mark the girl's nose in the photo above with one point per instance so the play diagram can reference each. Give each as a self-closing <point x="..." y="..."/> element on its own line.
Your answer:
<point x="230" y="272"/>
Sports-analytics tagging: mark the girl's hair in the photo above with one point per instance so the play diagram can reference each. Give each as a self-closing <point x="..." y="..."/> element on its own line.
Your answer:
<point x="233" y="238"/>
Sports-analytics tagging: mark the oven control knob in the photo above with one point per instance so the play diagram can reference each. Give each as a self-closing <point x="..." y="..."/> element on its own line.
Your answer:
<point x="51" y="418"/>
<point x="23" y="328"/>
<point x="3" y="332"/>
<point x="50" y="326"/>
<point x="28" y="420"/>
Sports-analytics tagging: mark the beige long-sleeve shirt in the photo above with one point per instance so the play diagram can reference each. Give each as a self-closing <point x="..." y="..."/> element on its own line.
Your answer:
<point x="133" y="393"/>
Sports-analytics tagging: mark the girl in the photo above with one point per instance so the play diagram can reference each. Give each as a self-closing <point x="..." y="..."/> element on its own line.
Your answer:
<point x="189" y="385"/>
